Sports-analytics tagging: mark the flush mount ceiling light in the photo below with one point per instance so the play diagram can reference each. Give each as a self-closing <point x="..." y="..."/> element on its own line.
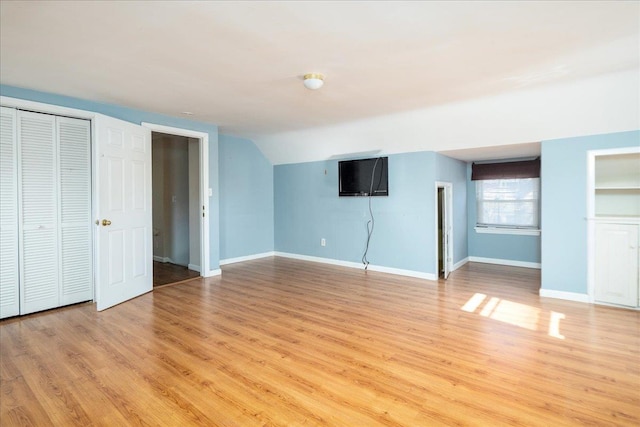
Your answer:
<point x="313" y="81"/>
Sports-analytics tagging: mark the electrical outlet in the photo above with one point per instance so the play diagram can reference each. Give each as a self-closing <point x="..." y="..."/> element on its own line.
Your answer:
<point x="323" y="242"/>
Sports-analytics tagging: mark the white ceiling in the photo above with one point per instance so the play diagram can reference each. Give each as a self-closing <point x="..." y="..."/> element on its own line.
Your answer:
<point x="239" y="64"/>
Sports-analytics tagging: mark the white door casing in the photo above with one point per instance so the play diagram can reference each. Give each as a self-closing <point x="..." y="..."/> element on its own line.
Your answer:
<point x="124" y="230"/>
<point x="446" y="233"/>
<point x="447" y="228"/>
<point x="205" y="190"/>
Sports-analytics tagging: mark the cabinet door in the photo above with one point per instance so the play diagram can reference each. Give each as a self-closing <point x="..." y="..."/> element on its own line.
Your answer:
<point x="38" y="203"/>
<point x="617" y="264"/>
<point x="76" y="272"/>
<point x="9" y="296"/>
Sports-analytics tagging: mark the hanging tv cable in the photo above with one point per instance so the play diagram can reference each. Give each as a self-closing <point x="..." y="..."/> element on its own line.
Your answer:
<point x="371" y="221"/>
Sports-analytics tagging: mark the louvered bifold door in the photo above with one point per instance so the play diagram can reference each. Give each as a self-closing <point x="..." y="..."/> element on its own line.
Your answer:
<point x="76" y="273"/>
<point x="9" y="296"/>
<point x="38" y="204"/>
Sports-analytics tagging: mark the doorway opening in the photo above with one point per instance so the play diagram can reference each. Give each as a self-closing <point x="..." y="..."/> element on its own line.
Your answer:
<point x="180" y="204"/>
<point x="176" y="212"/>
<point x="176" y="208"/>
<point x="444" y="229"/>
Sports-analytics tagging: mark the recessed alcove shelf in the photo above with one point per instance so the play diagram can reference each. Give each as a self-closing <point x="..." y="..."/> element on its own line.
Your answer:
<point x="617" y="185"/>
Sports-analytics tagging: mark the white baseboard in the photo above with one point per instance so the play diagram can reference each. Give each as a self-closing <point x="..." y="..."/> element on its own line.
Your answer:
<point x="571" y="296"/>
<point x="246" y="258"/>
<point x="606" y="304"/>
<point x="211" y="273"/>
<point x="161" y="259"/>
<point x="460" y="263"/>
<point x="382" y="269"/>
<point x="401" y="272"/>
<point x="194" y="267"/>
<point x="505" y="262"/>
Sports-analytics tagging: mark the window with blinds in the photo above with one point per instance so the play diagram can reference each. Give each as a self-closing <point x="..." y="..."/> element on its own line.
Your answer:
<point x="511" y="203"/>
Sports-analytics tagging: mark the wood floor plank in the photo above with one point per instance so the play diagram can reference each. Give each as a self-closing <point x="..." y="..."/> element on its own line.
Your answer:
<point x="282" y="342"/>
<point x="19" y="405"/>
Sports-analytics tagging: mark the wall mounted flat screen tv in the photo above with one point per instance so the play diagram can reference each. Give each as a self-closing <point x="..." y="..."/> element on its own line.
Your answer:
<point x="364" y="177"/>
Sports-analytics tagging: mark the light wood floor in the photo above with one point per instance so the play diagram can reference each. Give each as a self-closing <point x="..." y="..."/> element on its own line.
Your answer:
<point x="284" y="342"/>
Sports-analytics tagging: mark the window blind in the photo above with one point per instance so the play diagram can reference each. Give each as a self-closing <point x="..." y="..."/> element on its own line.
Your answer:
<point x="506" y="170"/>
<point x="509" y="203"/>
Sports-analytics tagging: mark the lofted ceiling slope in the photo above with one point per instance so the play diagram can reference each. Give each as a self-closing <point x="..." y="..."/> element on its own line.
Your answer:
<point x="240" y="64"/>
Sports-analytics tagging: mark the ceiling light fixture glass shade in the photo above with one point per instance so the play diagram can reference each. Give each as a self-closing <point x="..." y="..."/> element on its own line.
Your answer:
<point x="313" y="81"/>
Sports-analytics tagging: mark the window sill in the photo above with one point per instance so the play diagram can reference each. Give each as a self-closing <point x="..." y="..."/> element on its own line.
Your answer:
<point x="500" y="230"/>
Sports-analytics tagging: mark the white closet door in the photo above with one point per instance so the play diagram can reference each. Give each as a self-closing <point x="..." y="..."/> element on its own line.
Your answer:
<point x="9" y="273"/>
<point x="37" y="179"/>
<point x="76" y="274"/>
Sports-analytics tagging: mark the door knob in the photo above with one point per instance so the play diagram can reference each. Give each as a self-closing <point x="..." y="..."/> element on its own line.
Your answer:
<point x="106" y="222"/>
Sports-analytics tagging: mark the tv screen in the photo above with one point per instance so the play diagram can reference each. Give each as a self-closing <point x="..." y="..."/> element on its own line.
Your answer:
<point x="365" y="177"/>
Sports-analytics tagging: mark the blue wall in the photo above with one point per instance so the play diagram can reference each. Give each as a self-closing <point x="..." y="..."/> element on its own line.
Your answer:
<point x="137" y="116"/>
<point x="564" y="207"/>
<point x="498" y="246"/>
<point x="289" y="208"/>
<point x="246" y="199"/>
<point x="307" y="208"/>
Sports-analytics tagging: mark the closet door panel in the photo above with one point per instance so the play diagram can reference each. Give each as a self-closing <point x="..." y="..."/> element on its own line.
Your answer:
<point x="9" y="270"/>
<point x="37" y="180"/>
<point x="75" y="211"/>
<point x="39" y="271"/>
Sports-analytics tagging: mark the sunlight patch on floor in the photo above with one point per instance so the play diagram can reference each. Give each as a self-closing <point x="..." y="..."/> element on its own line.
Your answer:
<point x="474" y="302"/>
<point x="554" y="324"/>
<point x="513" y="313"/>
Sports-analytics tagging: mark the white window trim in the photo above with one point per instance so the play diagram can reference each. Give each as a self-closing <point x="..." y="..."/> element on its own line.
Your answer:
<point x="511" y="229"/>
<point x="508" y="230"/>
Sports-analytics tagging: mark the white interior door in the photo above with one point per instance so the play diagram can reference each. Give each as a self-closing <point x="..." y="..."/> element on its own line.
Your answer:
<point x="124" y="238"/>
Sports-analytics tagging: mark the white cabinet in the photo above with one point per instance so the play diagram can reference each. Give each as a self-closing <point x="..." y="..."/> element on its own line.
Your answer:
<point x="616" y="228"/>
<point x="616" y="269"/>
<point x="48" y="210"/>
